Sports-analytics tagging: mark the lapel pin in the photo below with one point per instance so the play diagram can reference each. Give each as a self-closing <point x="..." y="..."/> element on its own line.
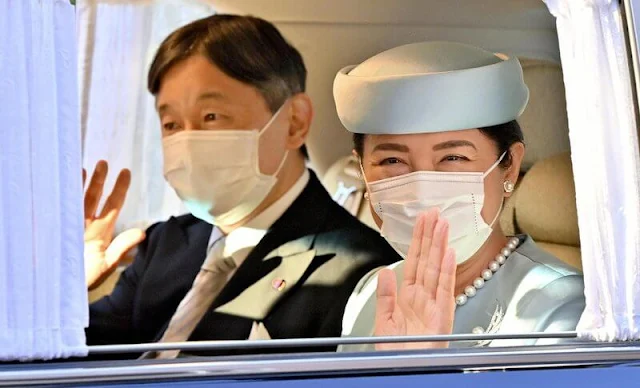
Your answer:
<point x="278" y="284"/>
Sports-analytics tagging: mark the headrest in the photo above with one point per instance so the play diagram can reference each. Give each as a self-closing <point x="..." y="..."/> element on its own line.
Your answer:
<point x="430" y="87"/>
<point x="544" y="122"/>
<point x="546" y="202"/>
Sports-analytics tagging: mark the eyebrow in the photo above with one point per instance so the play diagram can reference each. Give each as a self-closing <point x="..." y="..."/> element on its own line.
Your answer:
<point x="391" y="147"/>
<point x="213" y="95"/>
<point x="453" y="144"/>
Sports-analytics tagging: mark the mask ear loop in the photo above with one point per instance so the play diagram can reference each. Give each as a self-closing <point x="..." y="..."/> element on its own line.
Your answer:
<point x="267" y="126"/>
<point x="364" y="178"/>
<point x="493" y="222"/>
<point x="273" y="118"/>
<point x="498" y="213"/>
<point x="493" y="166"/>
<point x="284" y="159"/>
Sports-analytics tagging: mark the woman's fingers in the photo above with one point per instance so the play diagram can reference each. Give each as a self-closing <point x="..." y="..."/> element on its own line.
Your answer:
<point x="435" y="255"/>
<point x="432" y="218"/>
<point x="386" y="297"/>
<point x="94" y="191"/>
<point x="411" y="261"/>
<point x="445" y="299"/>
<point x="430" y="256"/>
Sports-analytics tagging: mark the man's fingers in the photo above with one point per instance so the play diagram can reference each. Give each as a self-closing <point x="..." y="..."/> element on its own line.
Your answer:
<point x="122" y="244"/>
<point x="94" y="191"/>
<point x="386" y="295"/>
<point x="101" y="228"/>
<point x="426" y="241"/>
<point x="118" y="194"/>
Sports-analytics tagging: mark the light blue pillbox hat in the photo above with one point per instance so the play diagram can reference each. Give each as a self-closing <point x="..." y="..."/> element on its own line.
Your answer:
<point x="430" y="87"/>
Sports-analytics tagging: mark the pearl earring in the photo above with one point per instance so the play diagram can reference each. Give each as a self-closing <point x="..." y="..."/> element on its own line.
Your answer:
<point x="508" y="186"/>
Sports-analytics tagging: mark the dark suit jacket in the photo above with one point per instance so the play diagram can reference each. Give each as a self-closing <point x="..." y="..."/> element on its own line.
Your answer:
<point x="317" y="247"/>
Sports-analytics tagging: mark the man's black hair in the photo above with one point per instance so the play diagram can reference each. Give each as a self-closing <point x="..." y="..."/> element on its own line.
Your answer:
<point x="248" y="49"/>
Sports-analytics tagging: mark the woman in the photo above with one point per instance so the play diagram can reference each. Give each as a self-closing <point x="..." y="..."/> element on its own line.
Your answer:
<point x="440" y="150"/>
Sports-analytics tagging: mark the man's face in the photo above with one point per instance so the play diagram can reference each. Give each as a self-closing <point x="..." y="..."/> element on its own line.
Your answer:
<point x="195" y="95"/>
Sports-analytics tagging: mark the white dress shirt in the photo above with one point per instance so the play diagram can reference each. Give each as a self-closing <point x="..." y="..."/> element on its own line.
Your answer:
<point x="239" y="242"/>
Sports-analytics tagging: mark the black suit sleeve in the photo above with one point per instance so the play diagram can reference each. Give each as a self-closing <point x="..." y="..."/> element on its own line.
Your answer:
<point x="332" y="324"/>
<point x="110" y="318"/>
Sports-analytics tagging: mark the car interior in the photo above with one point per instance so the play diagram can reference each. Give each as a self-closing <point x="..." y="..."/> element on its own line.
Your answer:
<point x="330" y="35"/>
<point x="334" y="34"/>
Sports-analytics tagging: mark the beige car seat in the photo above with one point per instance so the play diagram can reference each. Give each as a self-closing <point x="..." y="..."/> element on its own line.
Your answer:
<point x="544" y="207"/>
<point x="344" y="182"/>
<point x="543" y="204"/>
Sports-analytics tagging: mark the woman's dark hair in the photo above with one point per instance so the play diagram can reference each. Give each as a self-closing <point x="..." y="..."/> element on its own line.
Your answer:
<point x="248" y="49"/>
<point x="503" y="135"/>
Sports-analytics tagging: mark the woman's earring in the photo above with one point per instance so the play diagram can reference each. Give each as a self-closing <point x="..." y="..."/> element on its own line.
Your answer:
<point x="508" y="186"/>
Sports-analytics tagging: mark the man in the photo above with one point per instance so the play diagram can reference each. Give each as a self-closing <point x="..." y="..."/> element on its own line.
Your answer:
<point x="265" y="252"/>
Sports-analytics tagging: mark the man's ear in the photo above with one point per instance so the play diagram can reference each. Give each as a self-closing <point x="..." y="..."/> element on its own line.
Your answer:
<point x="300" y="118"/>
<point x="513" y="172"/>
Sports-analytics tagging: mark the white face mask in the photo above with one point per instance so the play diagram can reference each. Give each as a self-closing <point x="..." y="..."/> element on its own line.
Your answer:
<point x="459" y="195"/>
<point x="216" y="173"/>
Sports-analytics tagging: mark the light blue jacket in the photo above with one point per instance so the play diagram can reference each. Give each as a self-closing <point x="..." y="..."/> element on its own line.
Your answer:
<point x="532" y="292"/>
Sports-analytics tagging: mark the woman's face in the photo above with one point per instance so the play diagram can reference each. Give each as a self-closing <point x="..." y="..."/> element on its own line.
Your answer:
<point x="386" y="156"/>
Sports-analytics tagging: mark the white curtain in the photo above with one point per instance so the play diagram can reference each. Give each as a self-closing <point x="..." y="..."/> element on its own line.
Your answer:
<point x="117" y="42"/>
<point x="606" y="165"/>
<point x="43" y="297"/>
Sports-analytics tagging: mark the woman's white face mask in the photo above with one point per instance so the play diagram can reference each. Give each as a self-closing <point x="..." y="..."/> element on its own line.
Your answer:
<point x="217" y="174"/>
<point x="459" y="195"/>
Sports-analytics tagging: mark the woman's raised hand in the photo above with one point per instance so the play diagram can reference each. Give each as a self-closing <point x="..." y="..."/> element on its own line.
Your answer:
<point x="425" y="303"/>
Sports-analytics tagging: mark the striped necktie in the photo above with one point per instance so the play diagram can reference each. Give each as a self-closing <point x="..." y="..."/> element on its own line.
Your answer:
<point x="209" y="282"/>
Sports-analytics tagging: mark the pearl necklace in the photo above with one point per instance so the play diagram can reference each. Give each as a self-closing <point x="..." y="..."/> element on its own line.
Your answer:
<point x="471" y="290"/>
